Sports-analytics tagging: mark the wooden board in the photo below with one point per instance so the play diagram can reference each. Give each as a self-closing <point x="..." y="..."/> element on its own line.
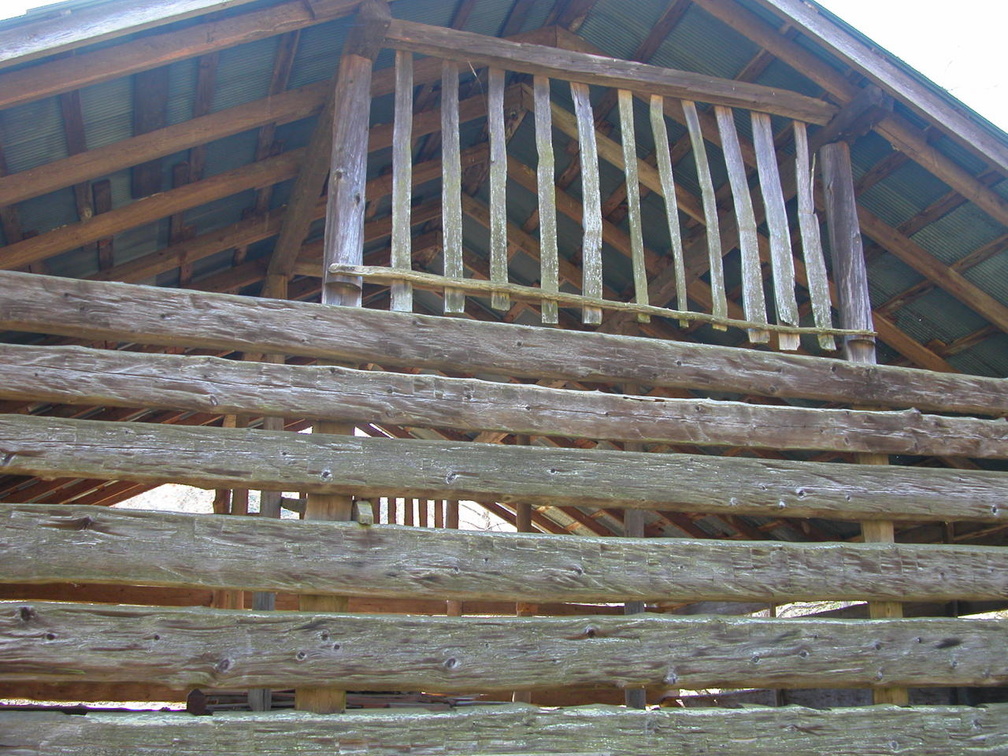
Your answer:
<point x="76" y="375"/>
<point x="479" y="50"/>
<point x="375" y="467"/>
<point x="198" y="647"/>
<point x="91" y="544"/>
<point x="517" y="729"/>
<point x="126" y="312"/>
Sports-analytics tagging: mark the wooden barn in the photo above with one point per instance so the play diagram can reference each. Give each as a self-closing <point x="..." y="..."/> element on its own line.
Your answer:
<point x="706" y="300"/>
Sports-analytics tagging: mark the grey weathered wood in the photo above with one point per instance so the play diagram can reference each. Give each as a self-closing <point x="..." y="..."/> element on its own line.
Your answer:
<point x="478" y="50"/>
<point x="591" y="200"/>
<point x="753" y="299"/>
<point x="664" y="161"/>
<point x="402" y="180"/>
<point x="49" y="642"/>
<point x="549" y="264"/>
<point x="45" y="543"/>
<point x="451" y="185"/>
<point x="74" y="375"/>
<point x="517" y="729"/>
<point x="713" y="231"/>
<point x="781" y="260"/>
<point x="812" y="250"/>
<point x="373" y="467"/>
<point x="126" y="312"/>
<point x="628" y="140"/>
<point x="849" y="271"/>
<point x="498" y="186"/>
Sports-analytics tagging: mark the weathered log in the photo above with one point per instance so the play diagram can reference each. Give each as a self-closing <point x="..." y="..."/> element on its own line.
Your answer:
<point x="231" y="648"/>
<point x="126" y="312"/>
<point x="57" y="543"/>
<point x="518" y="729"/>
<point x="73" y="375"/>
<point x="209" y="457"/>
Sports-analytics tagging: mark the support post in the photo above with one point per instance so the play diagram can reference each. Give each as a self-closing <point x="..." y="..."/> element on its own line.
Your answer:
<point x="344" y="244"/>
<point x="851" y="278"/>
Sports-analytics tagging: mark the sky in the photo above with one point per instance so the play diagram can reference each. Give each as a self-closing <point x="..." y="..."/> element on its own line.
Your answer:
<point x="958" y="46"/>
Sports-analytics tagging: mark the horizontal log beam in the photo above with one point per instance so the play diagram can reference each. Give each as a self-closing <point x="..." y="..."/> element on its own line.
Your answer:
<point x="372" y="467"/>
<point x="124" y="312"/>
<point x="479" y="50"/>
<point x="57" y="543"/>
<point x="482" y="731"/>
<point x="76" y="375"/>
<point x="229" y="648"/>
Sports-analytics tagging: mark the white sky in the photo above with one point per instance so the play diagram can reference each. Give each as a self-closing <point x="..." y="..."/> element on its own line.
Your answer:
<point x="958" y="46"/>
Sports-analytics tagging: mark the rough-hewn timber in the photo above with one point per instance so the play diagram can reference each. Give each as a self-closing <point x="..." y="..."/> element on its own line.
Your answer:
<point x="375" y="467"/>
<point x="233" y="648"/>
<point x="126" y="312"/>
<point x="517" y="729"/>
<point x="60" y="543"/>
<point x="75" y="375"/>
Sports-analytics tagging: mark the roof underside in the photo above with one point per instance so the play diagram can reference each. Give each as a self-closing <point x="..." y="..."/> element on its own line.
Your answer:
<point x="927" y="323"/>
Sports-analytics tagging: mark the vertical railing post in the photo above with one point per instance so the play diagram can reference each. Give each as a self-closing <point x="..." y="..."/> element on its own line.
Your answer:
<point x="344" y="245"/>
<point x="851" y="279"/>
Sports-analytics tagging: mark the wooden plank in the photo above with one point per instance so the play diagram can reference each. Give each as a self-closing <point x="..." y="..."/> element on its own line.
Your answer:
<point x="485" y="731"/>
<point x="199" y="647"/>
<point x="126" y="312"/>
<point x="713" y="226"/>
<point x="73" y="375"/>
<point x="89" y="544"/>
<point x="546" y="175"/>
<point x="591" y="200"/>
<point x="402" y="180"/>
<point x="150" y="113"/>
<point x="150" y="209"/>
<point x="812" y="250"/>
<point x="498" y="186"/>
<point x="628" y="140"/>
<point x="664" y="162"/>
<point x="478" y="50"/>
<point x="754" y="301"/>
<point x="451" y="185"/>
<point x="781" y="259"/>
<point x="63" y="75"/>
<point x="372" y="467"/>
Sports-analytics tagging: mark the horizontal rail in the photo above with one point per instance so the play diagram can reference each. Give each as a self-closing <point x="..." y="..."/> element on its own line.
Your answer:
<point x="574" y="731"/>
<point x="434" y="282"/>
<point x="88" y="544"/>
<point x="479" y="50"/>
<point x="150" y="315"/>
<point x="75" y="375"/>
<point x="47" y="642"/>
<point x="377" y="467"/>
<point x="483" y="731"/>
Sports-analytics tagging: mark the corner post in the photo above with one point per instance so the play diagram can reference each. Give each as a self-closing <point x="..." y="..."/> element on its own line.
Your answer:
<point x="344" y="244"/>
<point x="851" y="278"/>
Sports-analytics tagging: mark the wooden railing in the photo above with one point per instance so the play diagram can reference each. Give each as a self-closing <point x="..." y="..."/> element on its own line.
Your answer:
<point x="712" y="112"/>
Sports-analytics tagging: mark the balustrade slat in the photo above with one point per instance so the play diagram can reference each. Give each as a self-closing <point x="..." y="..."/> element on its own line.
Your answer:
<point x="629" y="141"/>
<point x="781" y="254"/>
<point x="402" y="179"/>
<point x="812" y="249"/>
<point x="753" y="298"/>
<point x="548" y="254"/>
<point x="664" y="158"/>
<point x="498" y="190"/>
<point x="718" y="294"/>
<point x="591" y="198"/>
<point x="451" y="187"/>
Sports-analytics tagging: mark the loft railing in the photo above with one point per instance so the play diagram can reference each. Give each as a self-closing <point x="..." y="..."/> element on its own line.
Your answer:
<point x="749" y="213"/>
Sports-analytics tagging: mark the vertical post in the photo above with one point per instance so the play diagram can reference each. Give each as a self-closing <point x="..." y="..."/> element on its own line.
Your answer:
<point x="851" y="278"/>
<point x="344" y="244"/>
